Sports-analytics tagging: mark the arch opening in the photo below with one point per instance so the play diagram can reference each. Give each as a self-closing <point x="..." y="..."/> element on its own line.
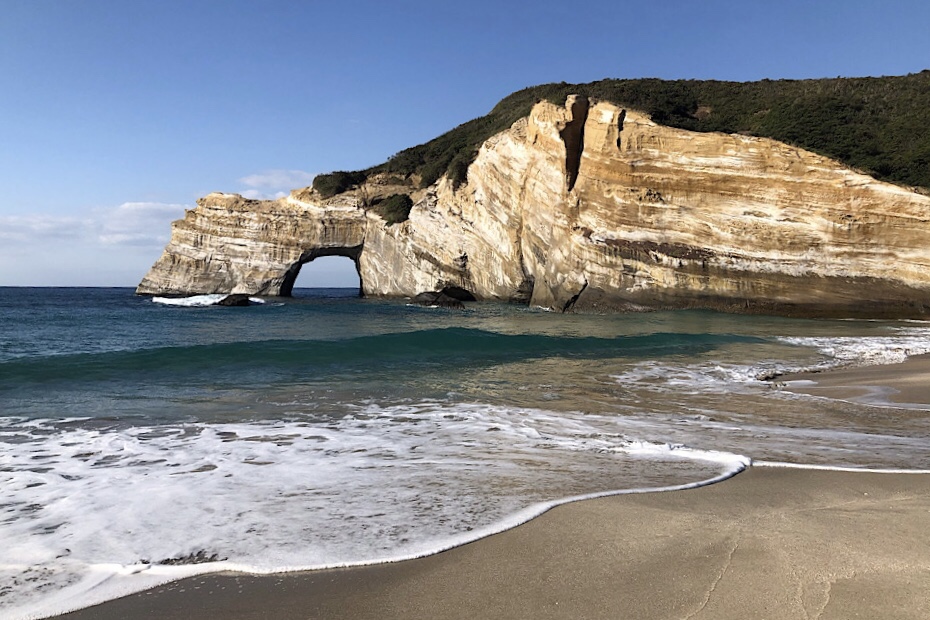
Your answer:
<point x="325" y="270"/>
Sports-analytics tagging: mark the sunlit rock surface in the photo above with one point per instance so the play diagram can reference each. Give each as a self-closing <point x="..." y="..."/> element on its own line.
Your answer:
<point x="592" y="207"/>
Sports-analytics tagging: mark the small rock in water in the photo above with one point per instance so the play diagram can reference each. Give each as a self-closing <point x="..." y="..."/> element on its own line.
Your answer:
<point x="236" y="299"/>
<point x="439" y="299"/>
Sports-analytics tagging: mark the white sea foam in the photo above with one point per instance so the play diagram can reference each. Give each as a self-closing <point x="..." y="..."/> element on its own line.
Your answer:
<point x="715" y="376"/>
<point x="869" y="350"/>
<point x="770" y="440"/>
<point x="198" y="301"/>
<point x="696" y="378"/>
<point x="89" y="513"/>
<point x="195" y="301"/>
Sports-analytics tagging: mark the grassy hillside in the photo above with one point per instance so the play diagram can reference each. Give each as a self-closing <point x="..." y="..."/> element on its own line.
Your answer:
<point x="880" y="126"/>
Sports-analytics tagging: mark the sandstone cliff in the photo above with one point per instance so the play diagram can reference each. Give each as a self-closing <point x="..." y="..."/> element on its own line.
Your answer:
<point x="593" y="207"/>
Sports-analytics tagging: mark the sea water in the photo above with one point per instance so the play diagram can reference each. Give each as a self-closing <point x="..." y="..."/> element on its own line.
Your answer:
<point x="143" y="440"/>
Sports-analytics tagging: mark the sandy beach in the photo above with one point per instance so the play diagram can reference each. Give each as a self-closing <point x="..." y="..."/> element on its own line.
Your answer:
<point x="906" y="384"/>
<point x="768" y="543"/>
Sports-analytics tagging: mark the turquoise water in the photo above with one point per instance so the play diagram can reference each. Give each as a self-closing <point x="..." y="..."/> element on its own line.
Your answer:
<point x="326" y="429"/>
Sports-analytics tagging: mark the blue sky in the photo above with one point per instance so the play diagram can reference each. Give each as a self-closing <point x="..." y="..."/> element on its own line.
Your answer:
<point x="115" y="115"/>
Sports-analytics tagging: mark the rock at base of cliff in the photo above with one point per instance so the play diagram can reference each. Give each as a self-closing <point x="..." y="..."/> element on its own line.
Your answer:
<point x="457" y="292"/>
<point x="438" y="299"/>
<point x="235" y="299"/>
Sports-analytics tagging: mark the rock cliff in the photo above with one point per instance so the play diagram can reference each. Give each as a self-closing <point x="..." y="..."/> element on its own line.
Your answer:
<point x="589" y="206"/>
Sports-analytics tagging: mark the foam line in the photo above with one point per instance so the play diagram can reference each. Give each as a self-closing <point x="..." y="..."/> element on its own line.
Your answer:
<point x="855" y="470"/>
<point x="737" y="465"/>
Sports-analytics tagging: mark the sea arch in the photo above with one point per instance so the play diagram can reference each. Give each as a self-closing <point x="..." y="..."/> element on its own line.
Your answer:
<point x="232" y="244"/>
<point x="290" y="276"/>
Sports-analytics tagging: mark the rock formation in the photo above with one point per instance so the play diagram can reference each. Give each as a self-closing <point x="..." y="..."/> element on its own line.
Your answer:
<point x="235" y="300"/>
<point x="592" y="207"/>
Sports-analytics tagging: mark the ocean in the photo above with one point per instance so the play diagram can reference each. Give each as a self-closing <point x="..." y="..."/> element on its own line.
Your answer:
<point x="143" y="440"/>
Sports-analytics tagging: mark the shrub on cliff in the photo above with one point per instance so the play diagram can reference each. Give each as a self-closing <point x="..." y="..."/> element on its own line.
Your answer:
<point x="394" y="209"/>
<point x="337" y="182"/>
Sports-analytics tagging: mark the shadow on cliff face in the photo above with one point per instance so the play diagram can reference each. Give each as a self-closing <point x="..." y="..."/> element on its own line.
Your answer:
<point x="573" y="137"/>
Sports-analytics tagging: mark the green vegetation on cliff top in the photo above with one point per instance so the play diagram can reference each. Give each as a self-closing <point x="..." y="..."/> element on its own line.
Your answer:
<point x="880" y="126"/>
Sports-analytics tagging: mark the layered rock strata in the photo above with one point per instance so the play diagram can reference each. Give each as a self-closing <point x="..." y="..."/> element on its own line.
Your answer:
<point x="589" y="206"/>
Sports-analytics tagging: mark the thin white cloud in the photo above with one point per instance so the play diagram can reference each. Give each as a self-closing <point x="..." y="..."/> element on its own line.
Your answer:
<point x="271" y="184"/>
<point x="255" y="194"/>
<point x="137" y="223"/>
<point x="28" y="228"/>
<point x="111" y="246"/>
<point x="129" y="224"/>
<point x="278" y="179"/>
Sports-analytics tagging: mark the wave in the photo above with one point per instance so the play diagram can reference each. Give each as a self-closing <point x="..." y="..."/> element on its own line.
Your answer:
<point x="390" y="484"/>
<point x="869" y="350"/>
<point x="453" y="347"/>
<point x="836" y="351"/>
<point x="199" y="301"/>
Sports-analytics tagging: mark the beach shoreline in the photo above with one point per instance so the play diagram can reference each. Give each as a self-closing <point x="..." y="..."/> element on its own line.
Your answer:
<point x="905" y="385"/>
<point x="769" y="542"/>
<point x="772" y="542"/>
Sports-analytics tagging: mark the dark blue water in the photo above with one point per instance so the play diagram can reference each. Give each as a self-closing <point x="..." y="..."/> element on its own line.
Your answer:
<point x="79" y="352"/>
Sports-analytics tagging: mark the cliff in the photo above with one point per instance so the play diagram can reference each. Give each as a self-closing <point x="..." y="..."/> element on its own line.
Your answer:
<point x="590" y="206"/>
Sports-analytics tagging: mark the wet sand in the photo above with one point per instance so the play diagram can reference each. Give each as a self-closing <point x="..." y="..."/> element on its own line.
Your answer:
<point x="906" y="384"/>
<point x="769" y="543"/>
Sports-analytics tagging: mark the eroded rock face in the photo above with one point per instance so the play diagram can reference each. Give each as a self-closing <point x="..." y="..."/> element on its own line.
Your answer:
<point x="230" y="244"/>
<point x="592" y="207"/>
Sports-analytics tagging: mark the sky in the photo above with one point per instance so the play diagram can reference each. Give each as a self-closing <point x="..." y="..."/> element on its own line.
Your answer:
<point x="116" y="116"/>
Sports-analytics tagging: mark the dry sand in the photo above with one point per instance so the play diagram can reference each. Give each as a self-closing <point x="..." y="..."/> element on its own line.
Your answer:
<point x="768" y="543"/>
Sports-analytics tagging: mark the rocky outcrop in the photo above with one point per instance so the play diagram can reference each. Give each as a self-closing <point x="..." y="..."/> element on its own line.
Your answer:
<point x="589" y="206"/>
<point x="229" y="244"/>
<point x="438" y="299"/>
<point x="235" y="300"/>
